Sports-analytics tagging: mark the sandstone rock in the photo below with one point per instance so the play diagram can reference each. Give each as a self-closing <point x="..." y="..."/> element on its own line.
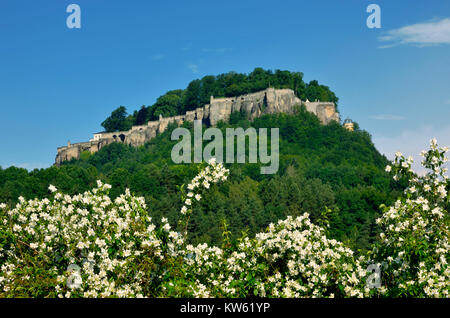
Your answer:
<point x="269" y="101"/>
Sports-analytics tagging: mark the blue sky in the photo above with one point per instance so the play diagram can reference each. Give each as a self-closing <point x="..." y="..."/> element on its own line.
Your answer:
<point x="59" y="84"/>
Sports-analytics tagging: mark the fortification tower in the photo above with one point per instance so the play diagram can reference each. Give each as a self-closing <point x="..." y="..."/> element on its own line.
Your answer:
<point x="348" y="124"/>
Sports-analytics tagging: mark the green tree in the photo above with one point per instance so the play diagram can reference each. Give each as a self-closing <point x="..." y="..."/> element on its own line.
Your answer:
<point x="167" y="105"/>
<point x="141" y="116"/>
<point x="118" y="121"/>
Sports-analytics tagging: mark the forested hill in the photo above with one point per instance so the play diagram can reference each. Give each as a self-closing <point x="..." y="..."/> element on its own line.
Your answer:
<point x="199" y="91"/>
<point x="322" y="168"/>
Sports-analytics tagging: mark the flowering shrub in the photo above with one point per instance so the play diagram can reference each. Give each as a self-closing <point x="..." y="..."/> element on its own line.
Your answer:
<point x="83" y="246"/>
<point x="413" y="250"/>
<point x="90" y="246"/>
<point x="213" y="173"/>
<point x="291" y="259"/>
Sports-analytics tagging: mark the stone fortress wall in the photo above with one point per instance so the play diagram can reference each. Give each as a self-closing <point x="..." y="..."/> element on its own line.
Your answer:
<point x="268" y="101"/>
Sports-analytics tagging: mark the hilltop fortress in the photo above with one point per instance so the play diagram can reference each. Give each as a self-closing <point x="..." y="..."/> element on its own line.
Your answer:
<point x="268" y="101"/>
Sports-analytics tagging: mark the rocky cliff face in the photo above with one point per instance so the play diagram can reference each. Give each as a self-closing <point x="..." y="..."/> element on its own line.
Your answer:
<point x="269" y="101"/>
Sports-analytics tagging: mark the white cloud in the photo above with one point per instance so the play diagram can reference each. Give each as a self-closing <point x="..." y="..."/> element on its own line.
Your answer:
<point x="217" y="50"/>
<point x="158" y="57"/>
<point x="420" y="34"/>
<point x="187" y="47"/>
<point x="386" y="117"/>
<point x="193" y="67"/>
<point x="386" y="46"/>
<point x="412" y="142"/>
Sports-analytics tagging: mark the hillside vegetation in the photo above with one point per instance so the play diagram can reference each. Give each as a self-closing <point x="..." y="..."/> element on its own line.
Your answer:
<point x="199" y="91"/>
<point x="90" y="245"/>
<point x="335" y="175"/>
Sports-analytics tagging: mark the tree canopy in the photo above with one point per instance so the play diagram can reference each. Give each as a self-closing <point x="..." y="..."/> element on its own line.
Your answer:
<point x="199" y="91"/>
<point x="118" y="121"/>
